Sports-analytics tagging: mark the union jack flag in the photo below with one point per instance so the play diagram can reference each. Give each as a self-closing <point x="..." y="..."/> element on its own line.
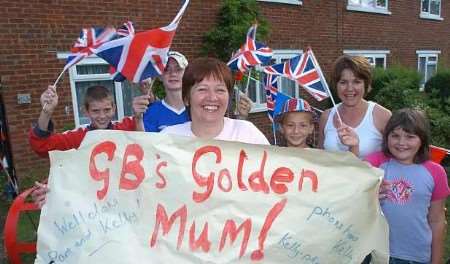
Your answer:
<point x="275" y="98"/>
<point x="141" y="55"/>
<point x="275" y="69"/>
<point x="305" y="70"/>
<point x="251" y="53"/>
<point x="90" y="38"/>
<point x="125" y="30"/>
<point x="271" y="87"/>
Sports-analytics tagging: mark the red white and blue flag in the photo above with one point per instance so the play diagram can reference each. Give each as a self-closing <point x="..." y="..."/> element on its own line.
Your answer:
<point x="275" y="98"/>
<point x="305" y="70"/>
<point x="90" y="38"/>
<point x="123" y="31"/>
<point x="271" y="87"/>
<point x="141" y="55"/>
<point x="252" y="53"/>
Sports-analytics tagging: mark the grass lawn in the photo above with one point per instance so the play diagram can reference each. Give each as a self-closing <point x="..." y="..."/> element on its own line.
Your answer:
<point x="28" y="223"/>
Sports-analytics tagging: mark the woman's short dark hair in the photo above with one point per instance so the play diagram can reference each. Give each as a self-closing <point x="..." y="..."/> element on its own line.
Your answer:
<point x="411" y="121"/>
<point x="203" y="68"/>
<point x="360" y="66"/>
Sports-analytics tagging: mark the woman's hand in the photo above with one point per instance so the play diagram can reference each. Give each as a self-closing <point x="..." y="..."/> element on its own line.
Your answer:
<point x="348" y="137"/>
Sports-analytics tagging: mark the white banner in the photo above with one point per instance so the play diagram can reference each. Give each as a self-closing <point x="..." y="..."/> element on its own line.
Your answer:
<point x="132" y="197"/>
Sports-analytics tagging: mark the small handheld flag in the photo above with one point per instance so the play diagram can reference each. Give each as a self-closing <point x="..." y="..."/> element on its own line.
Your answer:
<point x="251" y="53"/>
<point x="90" y="38"/>
<point x="141" y="55"/>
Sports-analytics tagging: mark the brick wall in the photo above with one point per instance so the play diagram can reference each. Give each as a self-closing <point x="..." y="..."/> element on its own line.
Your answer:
<point x="33" y="31"/>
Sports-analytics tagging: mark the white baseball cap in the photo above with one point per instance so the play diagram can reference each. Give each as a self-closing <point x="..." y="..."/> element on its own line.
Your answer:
<point x="179" y="58"/>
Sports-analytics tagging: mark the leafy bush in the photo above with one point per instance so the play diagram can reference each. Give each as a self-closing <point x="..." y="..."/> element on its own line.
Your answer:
<point x="396" y="88"/>
<point x="381" y="77"/>
<point x="234" y="19"/>
<point x="438" y="90"/>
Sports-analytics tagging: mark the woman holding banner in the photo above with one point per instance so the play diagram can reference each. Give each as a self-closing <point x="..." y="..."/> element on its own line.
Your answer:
<point x="351" y="80"/>
<point x="207" y="88"/>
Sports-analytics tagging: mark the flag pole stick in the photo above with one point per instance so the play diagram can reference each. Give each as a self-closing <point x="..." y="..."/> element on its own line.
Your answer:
<point x="54" y="84"/>
<point x="149" y="91"/>
<point x="274" y="131"/>
<point x="248" y="81"/>
<point x="59" y="77"/>
<point x="237" y="98"/>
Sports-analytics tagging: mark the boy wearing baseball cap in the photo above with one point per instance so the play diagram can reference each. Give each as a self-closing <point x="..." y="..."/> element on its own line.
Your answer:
<point x="296" y="123"/>
<point x="170" y="110"/>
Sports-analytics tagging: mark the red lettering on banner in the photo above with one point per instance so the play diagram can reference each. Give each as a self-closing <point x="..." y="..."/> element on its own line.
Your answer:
<point x="225" y="173"/>
<point x="312" y="176"/>
<point x="279" y="176"/>
<point x="273" y="213"/>
<point x="256" y="179"/>
<point x="202" y="240"/>
<point x="163" y="183"/>
<point x="133" y="167"/>
<point x="201" y="180"/>
<point x="108" y="148"/>
<point x="161" y="219"/>
<point x="242" y="157"/>
<point x="230" y="230"/>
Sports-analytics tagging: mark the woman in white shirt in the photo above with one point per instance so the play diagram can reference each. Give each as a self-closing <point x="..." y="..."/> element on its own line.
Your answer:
<point x="351" y="79"/>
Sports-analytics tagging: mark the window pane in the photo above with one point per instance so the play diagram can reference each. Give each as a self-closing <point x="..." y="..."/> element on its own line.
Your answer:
<point x="431" y="70"/>
<point x="379" y="62"/>
<point x="434" y="7"/>
<point x="432" y="59"/>
<point x="422" y="63"/>
<point x="354" y="2"/>
<point x="382" y="3"/>
<point x="81" y="88"/>
<point x="129" y="91"/>
<point x="368" y="3"/>
<point x="92" y="69"/>
<point x="287" y="87"/>
<point x="370" y="60"/>
<point x="425" y="5"/>
<point x="251" y="90"/>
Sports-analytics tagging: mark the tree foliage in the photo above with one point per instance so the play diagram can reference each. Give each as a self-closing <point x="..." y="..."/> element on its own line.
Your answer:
<point x="235" y="18"/>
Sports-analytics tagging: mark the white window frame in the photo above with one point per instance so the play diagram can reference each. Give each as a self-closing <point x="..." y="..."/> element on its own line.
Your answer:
<point x="75" y="77"/>
<point x="375" y="9"/>
<point x="427" y="54"/>
<point x="370" y="53"/>
<point x="292" y="2"/>
<point x="278" y="55"/>
<point x="428" y="15"/>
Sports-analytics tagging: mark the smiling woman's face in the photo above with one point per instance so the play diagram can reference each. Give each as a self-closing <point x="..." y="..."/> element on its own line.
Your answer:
<point x="208" y="101"/>
<point x="350" y="89"/>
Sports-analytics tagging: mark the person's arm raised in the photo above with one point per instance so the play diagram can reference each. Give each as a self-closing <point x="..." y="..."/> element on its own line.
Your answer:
<point x="140" y="105"/>
<point x="49" y="101"/>
<point x="244" y="106"/>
